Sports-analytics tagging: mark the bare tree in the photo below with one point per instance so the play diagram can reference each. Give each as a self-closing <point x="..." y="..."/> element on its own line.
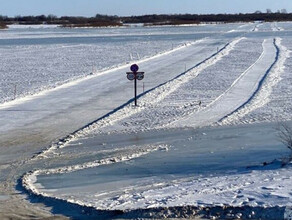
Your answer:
<point x="269" y="11"/>
<point x="285" y="136"/>
<point x="257" y="12"/>
<point x="283" y="11"/>
<point x="52" y="17"/>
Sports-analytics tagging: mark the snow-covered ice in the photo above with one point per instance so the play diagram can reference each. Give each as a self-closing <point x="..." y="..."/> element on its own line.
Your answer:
<point x="192" y="140"/>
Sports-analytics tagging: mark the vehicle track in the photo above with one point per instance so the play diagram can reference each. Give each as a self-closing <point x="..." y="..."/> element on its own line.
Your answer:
<point x="261" y="96"/>
<point x="241" y="92"/>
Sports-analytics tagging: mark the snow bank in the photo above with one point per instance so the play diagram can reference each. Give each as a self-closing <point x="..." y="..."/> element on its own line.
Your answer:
<point x="266" y="188"/>
<point x="40" y="26"/>
<point x="29" y="180"/>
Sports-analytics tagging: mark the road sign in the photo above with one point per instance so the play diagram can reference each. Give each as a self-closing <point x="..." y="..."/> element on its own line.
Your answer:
<point x="140" y="76"/>
<point x="135" y="75"/>
<point x="134" y="68"/>
<point x="130" y="76"/>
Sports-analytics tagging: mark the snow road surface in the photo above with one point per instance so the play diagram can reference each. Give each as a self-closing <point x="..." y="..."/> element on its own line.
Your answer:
<point x="240" y="92"/>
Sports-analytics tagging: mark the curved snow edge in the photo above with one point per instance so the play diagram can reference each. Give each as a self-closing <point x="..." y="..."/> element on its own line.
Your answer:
<point x="77" y="211"/>
<point x="28" y="181"/>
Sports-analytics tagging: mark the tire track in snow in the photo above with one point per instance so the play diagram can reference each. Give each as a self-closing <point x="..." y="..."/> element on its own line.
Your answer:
<point x="240" y="93"/>
<point x="261" y="96"/>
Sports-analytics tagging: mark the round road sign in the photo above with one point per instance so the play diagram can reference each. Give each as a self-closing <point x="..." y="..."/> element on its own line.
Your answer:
<point x="134" y="68"/>
<point x="131" y="76"/>
<point x="140" y="76"/>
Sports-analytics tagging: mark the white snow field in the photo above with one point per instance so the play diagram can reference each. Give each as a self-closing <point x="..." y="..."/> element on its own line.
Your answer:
<point x="203" y="140"/>
<point x="35" y="59"/>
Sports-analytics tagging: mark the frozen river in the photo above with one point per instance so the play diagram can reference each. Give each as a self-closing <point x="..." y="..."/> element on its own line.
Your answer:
<point x="79" y="140"/>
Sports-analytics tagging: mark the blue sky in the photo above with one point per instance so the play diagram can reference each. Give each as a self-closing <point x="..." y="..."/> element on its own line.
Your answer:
<point x="137" y="7"/>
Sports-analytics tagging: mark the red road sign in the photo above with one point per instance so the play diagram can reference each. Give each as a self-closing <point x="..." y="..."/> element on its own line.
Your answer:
<point x="134" y="68"/>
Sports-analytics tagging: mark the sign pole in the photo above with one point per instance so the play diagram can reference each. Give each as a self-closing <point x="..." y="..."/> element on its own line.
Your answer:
<point x="135" y="75"/>
<point x="135" y="85"/>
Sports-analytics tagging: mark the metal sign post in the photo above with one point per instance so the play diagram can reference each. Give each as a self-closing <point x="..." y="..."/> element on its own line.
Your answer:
<point x="135" y="75"/>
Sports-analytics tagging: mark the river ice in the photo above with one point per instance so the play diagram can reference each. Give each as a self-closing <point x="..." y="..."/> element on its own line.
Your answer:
<point x="204" y="134"/>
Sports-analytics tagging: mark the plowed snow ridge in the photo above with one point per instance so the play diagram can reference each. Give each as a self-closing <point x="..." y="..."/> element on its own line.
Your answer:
<point x="261" y="97"/>
<point x="240" y="92"/>
<point x="29" y="180"/>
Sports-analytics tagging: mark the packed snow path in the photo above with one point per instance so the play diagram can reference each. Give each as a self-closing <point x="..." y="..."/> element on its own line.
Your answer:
<point x="274" y="91"/>
<point x="240" y="92"/>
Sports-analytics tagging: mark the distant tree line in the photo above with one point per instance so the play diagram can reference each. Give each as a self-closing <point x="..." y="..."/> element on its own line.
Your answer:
<point x="193" y="18"/>
<point x="173" y="19"/>
<point x="66" y="21"/>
